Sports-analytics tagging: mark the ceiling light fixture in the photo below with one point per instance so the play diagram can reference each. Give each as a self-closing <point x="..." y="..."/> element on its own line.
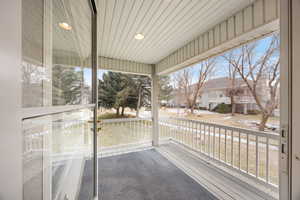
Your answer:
<point x="65" y="26"/>
<point x="139" y="36"/>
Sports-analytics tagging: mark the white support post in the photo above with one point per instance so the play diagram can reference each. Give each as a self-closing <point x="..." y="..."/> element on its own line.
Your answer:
<point x="154" y="107"/>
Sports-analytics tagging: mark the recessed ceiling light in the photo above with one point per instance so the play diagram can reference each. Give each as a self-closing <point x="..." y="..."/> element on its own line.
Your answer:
<point x="65" y="26"/>
<point x="139" y="36"/>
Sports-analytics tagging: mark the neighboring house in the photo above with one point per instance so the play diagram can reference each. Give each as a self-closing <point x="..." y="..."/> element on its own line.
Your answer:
<point x="215" y="91"/>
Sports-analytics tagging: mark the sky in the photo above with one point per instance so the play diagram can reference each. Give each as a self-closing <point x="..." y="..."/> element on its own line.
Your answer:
<point x="87" y="74"/>
<point x="221" y="62"/>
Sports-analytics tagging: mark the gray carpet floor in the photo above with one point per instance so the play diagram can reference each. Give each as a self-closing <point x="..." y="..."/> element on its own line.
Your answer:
<point x="144" y="175"/>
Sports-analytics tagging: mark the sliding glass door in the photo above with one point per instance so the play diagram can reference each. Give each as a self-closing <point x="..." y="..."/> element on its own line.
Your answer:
<point x="58" y="106"/>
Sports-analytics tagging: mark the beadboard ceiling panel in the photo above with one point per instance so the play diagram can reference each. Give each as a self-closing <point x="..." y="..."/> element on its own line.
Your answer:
<point x="166" y="24"/>
<point x="77" y="41"/>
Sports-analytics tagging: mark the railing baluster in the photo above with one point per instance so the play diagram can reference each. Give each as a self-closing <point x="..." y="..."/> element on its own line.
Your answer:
<point x="147" y="129"/>
<point x="138" y="129"/>
<point x="239" y="149"/>
<point x="167" y="130"/>
<point x="247" y="154"/>
<point x="267" y="159"/>
<point x="143" y="130"/>
<point x="170" y="132"/>
<point x="214" y="141"/>
<point x="164" y="128"/>
<point x="219" y="143"/>
<point x="200" y="127"/>
<point x="176" y="130"/>
<point x="231" y="148"/>
<point x="256" y="156"/>
<point x="184" y="131"/>
<point x="204" y="126"/>
<point x="194" y="134"/>
<point x="161" y="128"/>
<point x="132" y="131"/>
<point x="181" y="131"/>
<point x="209" y="147"/>
<point x="189" y="134"/>
<point x="225" y="158"/>
<point x="197" y="136"/>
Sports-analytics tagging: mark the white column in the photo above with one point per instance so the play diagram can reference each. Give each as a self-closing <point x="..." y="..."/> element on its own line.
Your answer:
<point x="155" y="107"/>
<point x="11" y="181"/>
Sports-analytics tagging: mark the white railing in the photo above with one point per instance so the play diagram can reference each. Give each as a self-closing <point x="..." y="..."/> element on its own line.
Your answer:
<point x="249" y="151"/>
<point x="123" y="133"/>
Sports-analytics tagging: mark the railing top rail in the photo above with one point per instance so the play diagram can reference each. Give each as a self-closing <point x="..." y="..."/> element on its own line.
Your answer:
<point x="125" y="120"/>
<point x="271" y="135"/>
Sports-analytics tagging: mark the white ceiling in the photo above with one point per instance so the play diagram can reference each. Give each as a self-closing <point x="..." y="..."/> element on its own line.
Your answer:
<point x="166" y="24"/>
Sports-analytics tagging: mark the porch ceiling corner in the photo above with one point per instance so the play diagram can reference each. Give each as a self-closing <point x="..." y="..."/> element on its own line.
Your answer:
<point x="255" y="21"/>
<point x="119" y="65"/>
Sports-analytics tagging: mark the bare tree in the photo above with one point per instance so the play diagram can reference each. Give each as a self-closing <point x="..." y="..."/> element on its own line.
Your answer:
<point x="233" y="90"/>
<point x="191" y="89"/>
<point x="259" y="69"/>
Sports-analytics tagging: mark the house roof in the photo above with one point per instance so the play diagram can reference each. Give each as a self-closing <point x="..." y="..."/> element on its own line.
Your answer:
<point x="218" y="84"/>
<point x="222" y="83"/>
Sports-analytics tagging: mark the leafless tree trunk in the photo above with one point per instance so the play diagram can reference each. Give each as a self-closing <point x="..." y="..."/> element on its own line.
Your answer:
<point x="233" y="89"/>
<point x="191" y="90"/>
<point x="123" y="109"/>
<point x="260" y="72"/>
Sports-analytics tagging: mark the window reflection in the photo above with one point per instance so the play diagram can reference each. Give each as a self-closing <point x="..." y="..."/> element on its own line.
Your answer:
<point x="56" y="57"/>
<point x="56" y="149"/>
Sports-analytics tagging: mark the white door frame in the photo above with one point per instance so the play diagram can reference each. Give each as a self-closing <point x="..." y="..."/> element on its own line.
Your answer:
<point x="290" y="98"/>
<point x="295" y="111"/>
